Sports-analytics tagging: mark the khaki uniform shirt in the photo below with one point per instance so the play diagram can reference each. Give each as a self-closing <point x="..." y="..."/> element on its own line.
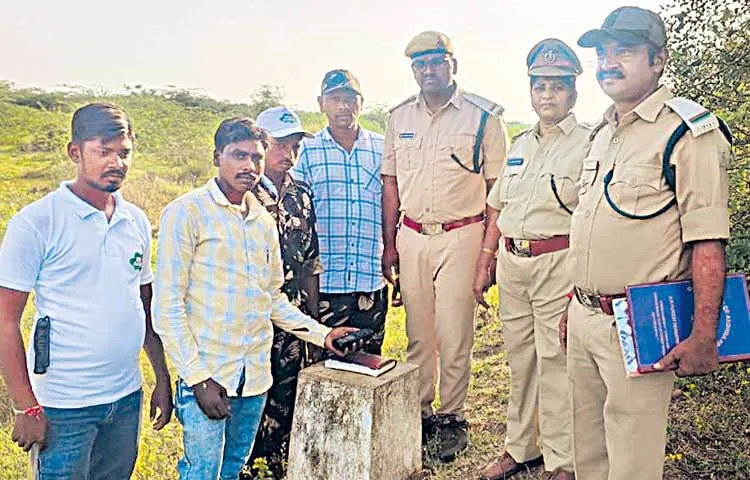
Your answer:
<point x="609" y="251"/>
<point x="432" y="187"/>
<point x="523" y="192"/>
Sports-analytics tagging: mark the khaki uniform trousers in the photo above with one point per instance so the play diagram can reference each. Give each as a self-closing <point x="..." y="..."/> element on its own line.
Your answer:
<point x="436" y="274"/>
<point x="619" y="423"/>
<point x="532" y="300"/>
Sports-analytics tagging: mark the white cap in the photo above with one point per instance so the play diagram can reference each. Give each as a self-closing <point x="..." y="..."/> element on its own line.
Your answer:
<point x="280" y="122"/>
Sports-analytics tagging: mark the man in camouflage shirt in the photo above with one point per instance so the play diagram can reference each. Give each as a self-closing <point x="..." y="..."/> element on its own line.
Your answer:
<point x="289" y="202"/>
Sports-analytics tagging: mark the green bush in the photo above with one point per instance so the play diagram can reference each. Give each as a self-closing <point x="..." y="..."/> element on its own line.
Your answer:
<point x="709" y="41"/>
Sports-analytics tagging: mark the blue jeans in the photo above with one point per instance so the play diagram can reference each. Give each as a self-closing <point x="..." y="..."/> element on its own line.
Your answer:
<point x="91" y="443"/>
<point x="216" y="448"/>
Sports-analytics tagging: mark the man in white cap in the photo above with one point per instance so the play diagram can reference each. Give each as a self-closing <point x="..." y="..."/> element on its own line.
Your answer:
<point x="289" y="202"/>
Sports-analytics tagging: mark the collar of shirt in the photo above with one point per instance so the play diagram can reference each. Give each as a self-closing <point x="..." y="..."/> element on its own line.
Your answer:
<point x="269" y="187"/>
<point x="267" y="184"/>
<point x="85" y="209"/>
<point x="566" y="125"/>
<point x="457" y="100"/>
<point x="362" y="137"/>
<point x="249" y="202"/>
<point x="647" y="110"/>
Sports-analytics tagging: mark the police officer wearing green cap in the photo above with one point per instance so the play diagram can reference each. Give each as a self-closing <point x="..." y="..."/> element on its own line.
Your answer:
<point x="443" y="151"/>
<point x="652" y="207"/>
<point x="531" y="205"/>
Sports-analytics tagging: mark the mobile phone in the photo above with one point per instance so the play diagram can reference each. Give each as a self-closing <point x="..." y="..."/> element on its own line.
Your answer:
<point x="351" y="340"/>
<point x="41" y="345"/>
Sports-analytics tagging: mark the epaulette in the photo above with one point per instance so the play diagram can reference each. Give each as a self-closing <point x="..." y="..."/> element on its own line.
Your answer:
<point x="408" y="100"/>
<point x="488" y="106"/>
<point x="521" y="134"/>
<point x="596" y="129"/>
<point x="698" y="119"/>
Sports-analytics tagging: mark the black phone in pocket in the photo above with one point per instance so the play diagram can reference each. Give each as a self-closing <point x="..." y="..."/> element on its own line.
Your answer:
<point x="41" y="345"/>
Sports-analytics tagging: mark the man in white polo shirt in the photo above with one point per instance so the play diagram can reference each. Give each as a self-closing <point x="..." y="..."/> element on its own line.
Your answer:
<point x="85" y="253"/>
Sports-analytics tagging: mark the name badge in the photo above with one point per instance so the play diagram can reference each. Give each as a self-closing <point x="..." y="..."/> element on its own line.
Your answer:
<point x="514" y="162"/>
<point x="406" y="135"/>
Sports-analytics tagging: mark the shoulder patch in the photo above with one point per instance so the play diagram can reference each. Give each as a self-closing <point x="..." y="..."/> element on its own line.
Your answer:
<point x="408" y="100"/>
<point x="697" y="118"/>
<point x="487" y="105"/>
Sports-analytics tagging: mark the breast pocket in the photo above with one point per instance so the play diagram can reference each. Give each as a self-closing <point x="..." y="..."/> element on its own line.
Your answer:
<point x="511" y="178"/>
<point x="371" y="180"/>
<point x="637" y="189"/>
<point x="127" y="253"/>
<point x="589" y="174"/>
<point x="457" y="151"/>
<point x="563" y="178"/>
<point x="407" y="152"/>
<point x="259" y="258"/>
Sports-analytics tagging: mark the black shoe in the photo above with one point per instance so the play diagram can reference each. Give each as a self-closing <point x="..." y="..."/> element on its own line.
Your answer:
<point x="429" y="430"/>
<point x="453" y="437"/>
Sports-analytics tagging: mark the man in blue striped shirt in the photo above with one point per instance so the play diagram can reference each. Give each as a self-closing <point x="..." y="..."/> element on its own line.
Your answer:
<point x="342" y="166"/>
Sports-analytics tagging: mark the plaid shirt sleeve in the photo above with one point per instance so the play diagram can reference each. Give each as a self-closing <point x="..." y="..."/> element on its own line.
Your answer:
<point x="285" y="315"/>
<point x="175" y="249"/>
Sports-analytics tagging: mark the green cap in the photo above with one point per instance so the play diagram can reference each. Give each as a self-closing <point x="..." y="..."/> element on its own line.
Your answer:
<point x="628" y="25"/>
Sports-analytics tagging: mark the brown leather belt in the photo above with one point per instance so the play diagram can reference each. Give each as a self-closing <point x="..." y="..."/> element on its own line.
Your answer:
<point x="435" y="228"/>
<point x="532" y="248"/>
<point x="596" y="302"/>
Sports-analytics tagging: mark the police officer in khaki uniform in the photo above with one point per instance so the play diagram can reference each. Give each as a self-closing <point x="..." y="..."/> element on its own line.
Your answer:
<point x="640" y="218"/>
<point x="443" y="150"/>
<point x="531" y="205"/>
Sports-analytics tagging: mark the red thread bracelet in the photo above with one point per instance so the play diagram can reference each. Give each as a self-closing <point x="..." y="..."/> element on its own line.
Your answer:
<point x="35" y="411"/>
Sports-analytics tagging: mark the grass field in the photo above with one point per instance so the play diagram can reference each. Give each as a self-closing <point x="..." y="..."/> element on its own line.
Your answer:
<point x="709" y="430"/>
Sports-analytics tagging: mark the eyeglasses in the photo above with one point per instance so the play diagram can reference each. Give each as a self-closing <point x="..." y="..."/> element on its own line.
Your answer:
<point x="435" y="63"/>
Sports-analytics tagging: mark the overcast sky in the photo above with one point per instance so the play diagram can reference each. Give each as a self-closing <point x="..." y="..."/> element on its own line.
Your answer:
<point x="226" y="49"/>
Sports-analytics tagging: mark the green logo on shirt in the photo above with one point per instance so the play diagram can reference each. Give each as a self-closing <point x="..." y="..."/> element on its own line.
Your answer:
<point x="136" y="261"/>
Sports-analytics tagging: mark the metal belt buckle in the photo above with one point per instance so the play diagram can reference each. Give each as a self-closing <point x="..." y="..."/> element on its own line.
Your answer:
<point x="588" y="300"/>
<point x="522" y="248"/>
<point x="431" y="228"/>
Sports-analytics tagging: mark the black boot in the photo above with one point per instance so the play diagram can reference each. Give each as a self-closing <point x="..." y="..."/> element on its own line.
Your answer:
<point x="428" y="429"/>
<point x="453" y="437"/>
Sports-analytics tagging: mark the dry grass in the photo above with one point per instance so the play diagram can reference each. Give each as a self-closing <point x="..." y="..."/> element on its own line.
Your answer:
<point x="709" y="429"/>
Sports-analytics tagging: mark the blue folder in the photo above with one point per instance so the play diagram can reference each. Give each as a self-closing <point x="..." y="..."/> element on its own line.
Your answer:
<point x="653" y="318"/>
